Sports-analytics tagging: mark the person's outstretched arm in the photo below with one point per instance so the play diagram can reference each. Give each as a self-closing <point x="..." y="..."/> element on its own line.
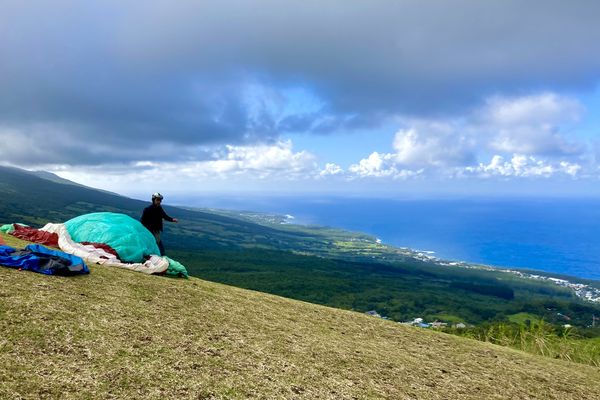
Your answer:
<point x="166" y="217"/>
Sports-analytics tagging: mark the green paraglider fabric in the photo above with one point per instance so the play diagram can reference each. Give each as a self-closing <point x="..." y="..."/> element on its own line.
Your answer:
<point x="127" y="236"/>
<point x="9" y="228"/>
<point x="176" y="269"/>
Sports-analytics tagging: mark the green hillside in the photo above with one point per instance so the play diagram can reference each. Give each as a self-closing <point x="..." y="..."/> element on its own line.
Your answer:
<point x="35" y="199"/>
<point x="121" y="334"/>
<point x="320" y="265"/>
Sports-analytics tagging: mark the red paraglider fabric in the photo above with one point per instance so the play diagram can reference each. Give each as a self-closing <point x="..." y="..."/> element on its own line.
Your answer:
<point x="102" y="246"/>
<point x="35" y="235"/>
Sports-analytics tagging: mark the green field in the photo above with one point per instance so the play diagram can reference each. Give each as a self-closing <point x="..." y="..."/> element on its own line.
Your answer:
<point x="523" y="318"/>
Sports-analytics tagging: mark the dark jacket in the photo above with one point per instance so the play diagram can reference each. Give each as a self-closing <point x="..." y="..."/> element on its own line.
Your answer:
<point x="152" y="218"/>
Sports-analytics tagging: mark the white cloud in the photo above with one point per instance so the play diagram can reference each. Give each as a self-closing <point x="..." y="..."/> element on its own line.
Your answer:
<point x="526" y="136"/>
<point x="277" y="160"/>
<point x="530" y="124"/>
<point x="433" y="144"/>
<point x="522" y="166"/>
<point x="569" y="168"/>
<point x="539" y="109"/>
<point x="230" y="164"/>
<point x="381" y="166"/>
<point x="534" y="125"/>
<point x="331" y="169"/>
<point x="377" y="165"/>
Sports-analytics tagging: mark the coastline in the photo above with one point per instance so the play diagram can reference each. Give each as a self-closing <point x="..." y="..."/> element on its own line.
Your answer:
<point x="581" y="290"/>
<point x="363" y="248"/>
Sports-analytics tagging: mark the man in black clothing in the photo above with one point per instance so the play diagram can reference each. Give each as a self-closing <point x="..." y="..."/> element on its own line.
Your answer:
<point x="152" y="219"/>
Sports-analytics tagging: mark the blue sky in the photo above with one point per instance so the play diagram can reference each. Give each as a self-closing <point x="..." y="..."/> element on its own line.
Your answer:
<point x="339" y="97"/>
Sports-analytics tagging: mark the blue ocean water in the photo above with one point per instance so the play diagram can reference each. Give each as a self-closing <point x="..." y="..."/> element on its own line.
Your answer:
<point x="554" y="235"/>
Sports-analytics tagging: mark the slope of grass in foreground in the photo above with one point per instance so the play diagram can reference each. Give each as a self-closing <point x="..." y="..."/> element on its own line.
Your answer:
<point x="120" y="334"/>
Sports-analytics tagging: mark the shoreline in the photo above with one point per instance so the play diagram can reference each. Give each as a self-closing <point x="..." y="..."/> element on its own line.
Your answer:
<point x="582" y="290"/>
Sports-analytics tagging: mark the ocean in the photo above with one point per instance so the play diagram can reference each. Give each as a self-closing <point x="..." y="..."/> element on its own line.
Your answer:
<point x="554" y="235"/>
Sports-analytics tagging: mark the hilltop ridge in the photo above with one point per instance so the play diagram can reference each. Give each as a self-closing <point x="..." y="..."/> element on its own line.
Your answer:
<point x="37" y="198"/>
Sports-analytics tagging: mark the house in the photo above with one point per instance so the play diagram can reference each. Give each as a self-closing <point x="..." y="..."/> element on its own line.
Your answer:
<point x="438" y="324"/>
<point x="373" y="313"/>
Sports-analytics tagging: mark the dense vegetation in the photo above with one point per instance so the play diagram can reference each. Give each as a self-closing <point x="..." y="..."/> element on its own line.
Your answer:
<point x="399" y="291"/>
<point x="315" y="264"/>
<point x="539" y="337"/>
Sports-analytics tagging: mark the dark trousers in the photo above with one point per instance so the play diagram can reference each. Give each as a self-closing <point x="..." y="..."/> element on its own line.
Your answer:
<point x="159" y="243"/>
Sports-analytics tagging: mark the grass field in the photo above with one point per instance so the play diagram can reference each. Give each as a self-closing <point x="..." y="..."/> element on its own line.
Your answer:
<point x="116" y="334"/>
<point x="523" y="318"/>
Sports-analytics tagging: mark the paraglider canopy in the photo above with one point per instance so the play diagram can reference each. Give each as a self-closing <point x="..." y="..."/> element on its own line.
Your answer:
<point x="127" y="236"/>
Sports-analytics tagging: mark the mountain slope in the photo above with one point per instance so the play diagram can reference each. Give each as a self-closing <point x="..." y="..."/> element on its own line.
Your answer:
<point x="120" y="334"/>
<point x="320" y="265"/>
<point x="33" y="198"/>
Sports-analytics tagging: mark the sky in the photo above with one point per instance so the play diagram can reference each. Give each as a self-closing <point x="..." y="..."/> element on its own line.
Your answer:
<point x="385" y="98"/>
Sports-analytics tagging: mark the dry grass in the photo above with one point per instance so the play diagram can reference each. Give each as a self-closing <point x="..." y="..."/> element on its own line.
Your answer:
<point x="116" y="334"/>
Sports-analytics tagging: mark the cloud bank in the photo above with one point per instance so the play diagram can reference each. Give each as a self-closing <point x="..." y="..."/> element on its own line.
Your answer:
<point x="532" y="131"/>
<point x="102" y="82"/>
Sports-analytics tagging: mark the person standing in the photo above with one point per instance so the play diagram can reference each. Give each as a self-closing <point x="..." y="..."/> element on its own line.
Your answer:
<point x="152" y="219"/>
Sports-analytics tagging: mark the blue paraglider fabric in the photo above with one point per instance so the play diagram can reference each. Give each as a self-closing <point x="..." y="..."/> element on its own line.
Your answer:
<point x="40" y="259"/>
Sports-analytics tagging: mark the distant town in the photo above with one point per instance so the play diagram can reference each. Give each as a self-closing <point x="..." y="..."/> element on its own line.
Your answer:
<point x="419" y="322"/>
<point x="581" y="290"/>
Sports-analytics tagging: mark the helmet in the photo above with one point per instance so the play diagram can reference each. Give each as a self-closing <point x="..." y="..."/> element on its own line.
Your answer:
<point x="157" y="196"/>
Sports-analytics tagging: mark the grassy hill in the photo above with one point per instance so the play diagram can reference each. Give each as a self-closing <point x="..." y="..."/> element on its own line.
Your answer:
<point x="316" y="264"/>
<point x="120" y="334"/>
<point x="37" y="198"/>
